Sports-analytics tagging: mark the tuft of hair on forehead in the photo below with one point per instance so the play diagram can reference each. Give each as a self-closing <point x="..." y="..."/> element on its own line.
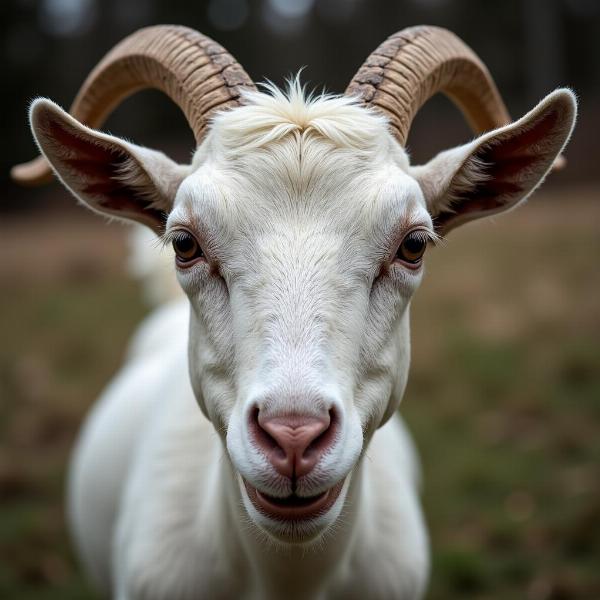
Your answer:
<point x="270" y="115"/>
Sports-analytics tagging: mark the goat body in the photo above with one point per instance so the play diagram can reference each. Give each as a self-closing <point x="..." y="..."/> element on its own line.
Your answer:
<point x="251" y="447"/>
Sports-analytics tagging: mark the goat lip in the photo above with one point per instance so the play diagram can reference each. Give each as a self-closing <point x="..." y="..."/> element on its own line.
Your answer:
<point x="293" y="508"/>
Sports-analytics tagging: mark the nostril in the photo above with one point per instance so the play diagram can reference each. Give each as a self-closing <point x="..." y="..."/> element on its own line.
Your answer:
<point x="325" y="439"/>
<point x="261" y="436"/>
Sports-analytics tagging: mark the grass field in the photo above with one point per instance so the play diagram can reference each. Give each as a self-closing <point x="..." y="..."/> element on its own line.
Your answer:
<point x="503" y="400"/>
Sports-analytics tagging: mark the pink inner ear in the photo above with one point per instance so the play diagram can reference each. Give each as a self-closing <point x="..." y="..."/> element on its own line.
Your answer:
<point x="96" y="170"/>
<point x="513" y="165"/>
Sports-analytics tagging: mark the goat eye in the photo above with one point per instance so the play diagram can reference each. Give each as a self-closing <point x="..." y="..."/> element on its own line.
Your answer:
<point x="186" y="247"/>
<point x="412" y="248"/>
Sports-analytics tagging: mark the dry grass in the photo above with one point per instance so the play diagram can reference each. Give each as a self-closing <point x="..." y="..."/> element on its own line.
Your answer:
<point x="504" y="397"/>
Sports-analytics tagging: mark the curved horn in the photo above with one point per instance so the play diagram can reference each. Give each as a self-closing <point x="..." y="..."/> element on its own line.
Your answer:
<point x="416" y="63"/>
<point x="198" y="74"/>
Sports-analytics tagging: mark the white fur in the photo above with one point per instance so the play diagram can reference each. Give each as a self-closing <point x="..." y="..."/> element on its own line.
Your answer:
<point x="157" y="504"/>
<point x="152" y="265"/>
<point x="299" y="205"/>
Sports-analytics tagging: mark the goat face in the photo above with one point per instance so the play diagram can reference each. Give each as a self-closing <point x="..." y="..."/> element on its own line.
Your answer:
<point x="299" y="229"/>
<point x="299" y="328"/>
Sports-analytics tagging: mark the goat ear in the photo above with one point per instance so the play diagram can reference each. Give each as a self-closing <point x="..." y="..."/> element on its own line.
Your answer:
<point x="106" y="173"/>
<point x="500" y="168"/>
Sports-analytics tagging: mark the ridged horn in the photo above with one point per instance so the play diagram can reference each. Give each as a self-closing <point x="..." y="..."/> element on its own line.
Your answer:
<point x="198" y="74"/>
<point x="416" y="63"/>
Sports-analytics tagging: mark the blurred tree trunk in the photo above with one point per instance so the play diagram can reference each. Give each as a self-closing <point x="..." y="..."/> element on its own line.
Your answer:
<point x="545" y="51"/>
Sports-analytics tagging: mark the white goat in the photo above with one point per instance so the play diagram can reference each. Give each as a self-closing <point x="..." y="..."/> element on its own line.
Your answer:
<point x="299" y="231"/>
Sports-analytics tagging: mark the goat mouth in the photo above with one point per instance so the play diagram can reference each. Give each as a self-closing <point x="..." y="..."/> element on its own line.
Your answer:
<point x="293" y="507"/>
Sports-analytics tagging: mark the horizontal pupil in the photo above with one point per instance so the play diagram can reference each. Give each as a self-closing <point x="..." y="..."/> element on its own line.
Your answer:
<point x="413" y="244"/>
<point x="185" y="244"/>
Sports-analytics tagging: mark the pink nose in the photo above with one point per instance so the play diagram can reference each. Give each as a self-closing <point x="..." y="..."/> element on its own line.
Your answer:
<point x="294" y="444"/>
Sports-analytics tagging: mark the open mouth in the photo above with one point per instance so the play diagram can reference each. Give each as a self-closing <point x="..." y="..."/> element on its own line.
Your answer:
<point x="293" y="507"/>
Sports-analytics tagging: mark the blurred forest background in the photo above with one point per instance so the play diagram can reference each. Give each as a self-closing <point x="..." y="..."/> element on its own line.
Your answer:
<point x="504" y="396"/>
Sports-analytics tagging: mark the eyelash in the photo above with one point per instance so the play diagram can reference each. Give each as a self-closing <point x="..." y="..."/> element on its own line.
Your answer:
<point x="428" y="236"/>
<point x="170" y="236"/>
